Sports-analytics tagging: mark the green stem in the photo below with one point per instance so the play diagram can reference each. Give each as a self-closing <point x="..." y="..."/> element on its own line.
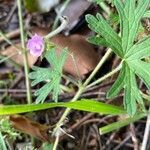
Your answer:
<point x="25" y="59"/>
<point x="66" y="112"/>
<point x="59" y="14"/>
<point x="56" y="143"/>
<point x="82" y="88"/>
<point x="64" y="23"/>
<point x="105" y="76"/>
<point x="105" y="57"/>
<point x="66" y="89"/>
<point x="70" y="79"/>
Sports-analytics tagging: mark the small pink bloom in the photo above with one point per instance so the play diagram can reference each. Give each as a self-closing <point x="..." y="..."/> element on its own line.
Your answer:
<point x="36" y="45"/>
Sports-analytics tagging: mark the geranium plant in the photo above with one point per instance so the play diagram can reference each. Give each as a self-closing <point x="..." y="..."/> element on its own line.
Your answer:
<point x="124" y="44"/>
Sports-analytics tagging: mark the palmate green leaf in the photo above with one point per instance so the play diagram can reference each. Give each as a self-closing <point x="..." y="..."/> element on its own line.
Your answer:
<point x="130" y="16"/>
<point x="139" y="50"/>
<point x="83" y="105"/>
<point x="97" y="40"/>
<point x="101" y="27"/>
<point x="127" y="80"/>
<point x="142" y="69"/>
<point x="51" y="77"/>
<point x="132" y="94"/>
<point x="2" y="142"/>
<point x="40" y="74"/>
<point x="130" y="13"/>
<point x="118" y="85"/>
<point x="146" y="14"/>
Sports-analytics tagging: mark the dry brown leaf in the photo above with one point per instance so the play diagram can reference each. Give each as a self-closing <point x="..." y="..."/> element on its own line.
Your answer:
<point x="86" y="58"/>
<point x="18" y="57"/>
<point x="30" y="127"/>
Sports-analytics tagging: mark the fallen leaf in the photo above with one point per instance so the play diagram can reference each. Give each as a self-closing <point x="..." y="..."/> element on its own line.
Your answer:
<point x="84" y="59"/>
<point x="85" y="56"/>
<point x="30" y="127"/>
<point x="17" y="56"/>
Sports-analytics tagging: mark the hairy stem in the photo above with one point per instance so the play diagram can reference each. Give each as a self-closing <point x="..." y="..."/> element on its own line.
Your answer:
<point x="64" y="23"/>
<point x="98" y="67"/>
<point x="105" y="76"/>
<point x="59" y="14"/>
<point x="25" y="59"/>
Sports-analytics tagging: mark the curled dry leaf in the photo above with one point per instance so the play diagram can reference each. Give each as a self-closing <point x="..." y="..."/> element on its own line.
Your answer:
<point x="30" y="127"/>
<point x="17" y="56"/>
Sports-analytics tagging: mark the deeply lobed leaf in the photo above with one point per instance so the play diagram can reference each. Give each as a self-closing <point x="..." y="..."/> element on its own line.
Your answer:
<point x="130" y="13"/>
<point x="50" y="76"/>
<point x="100" y="26"/>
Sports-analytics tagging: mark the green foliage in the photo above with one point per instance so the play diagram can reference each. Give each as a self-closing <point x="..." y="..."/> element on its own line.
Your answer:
<point x="110" y="37"/>
<point x="84" y="105"/>
<point x="51" y="77"/>
<point x="123" y="122"/>
<point x="131" y="54"/>
<point x="147" y="14"/>
<point x="6" y="128"/>
<point x="47" y="146"/>
<point x="2" y="142"/>
<point x="98" y="1"/>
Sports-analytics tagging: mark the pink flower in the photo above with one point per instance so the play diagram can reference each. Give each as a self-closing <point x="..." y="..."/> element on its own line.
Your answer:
<point x="36" y="45"/>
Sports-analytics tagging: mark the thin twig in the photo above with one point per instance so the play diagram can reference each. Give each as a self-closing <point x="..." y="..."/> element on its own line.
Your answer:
<point x="122" y="142"/>
<point x="133" y="137"/>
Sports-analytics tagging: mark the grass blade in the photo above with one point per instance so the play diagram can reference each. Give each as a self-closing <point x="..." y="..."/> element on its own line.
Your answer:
<point x="120" y="124"/>
<point x="84" y="105"/>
